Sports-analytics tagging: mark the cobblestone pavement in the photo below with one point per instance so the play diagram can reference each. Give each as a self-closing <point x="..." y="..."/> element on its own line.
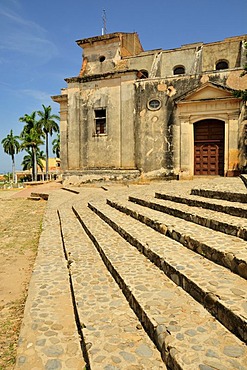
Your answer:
<point x="119" y="285"/>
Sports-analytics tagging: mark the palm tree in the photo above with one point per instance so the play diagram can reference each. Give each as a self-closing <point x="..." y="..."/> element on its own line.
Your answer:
<point x="11" y="146"/>
<point x="30" y="122"/>
<point x="56" y="146"/>
<point x="27" y="162"/>
<point x="49" y="125"/>
<point x="31" y="138"/>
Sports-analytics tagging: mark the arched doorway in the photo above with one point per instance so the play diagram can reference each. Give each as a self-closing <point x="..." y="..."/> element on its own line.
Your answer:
<point x="209" y="138"/>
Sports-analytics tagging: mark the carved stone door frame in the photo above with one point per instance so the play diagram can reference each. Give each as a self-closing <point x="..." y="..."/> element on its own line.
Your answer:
<point x="206" y="103"/>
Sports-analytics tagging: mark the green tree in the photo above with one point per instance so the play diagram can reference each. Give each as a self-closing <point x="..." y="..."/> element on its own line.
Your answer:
<point x="49" y="125"/>
<point x="27" y="162"/>
<point x="7" y="177"/>
<point x="30" y="122"/>
<point x="31" y="137"/>
<point x="11" y="146"/>
<point x="56" y="146"/>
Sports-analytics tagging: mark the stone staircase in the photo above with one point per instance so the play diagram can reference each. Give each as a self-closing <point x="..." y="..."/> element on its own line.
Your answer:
<point x="183" y="270"/>
<point x="158" y="277"/>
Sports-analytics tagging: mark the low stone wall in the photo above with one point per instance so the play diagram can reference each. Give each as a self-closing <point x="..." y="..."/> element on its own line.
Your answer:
<point x="77" y="178"/>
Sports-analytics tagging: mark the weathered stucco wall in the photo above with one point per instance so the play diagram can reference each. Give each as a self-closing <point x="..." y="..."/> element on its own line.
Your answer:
<point x="229" y="49"/>
<point x="143" y="61"/>
<point x="102" y="54"/>
<point x="86" y="148"/>
<point x="73" y="128"/>
<point x="63" y="101"/>
<point x="102" y="147"/>
<point x="127" y="109"/>
<point x="156" y="134"/>
<point x="150" y="128"/>
<point x="187" y="57"/>
<point x="95" y="65"/>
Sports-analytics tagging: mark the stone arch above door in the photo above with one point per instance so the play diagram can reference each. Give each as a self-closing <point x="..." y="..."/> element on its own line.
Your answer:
<point x="209" y="143"/>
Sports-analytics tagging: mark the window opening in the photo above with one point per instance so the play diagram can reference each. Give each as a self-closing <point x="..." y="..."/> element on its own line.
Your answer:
<point x="102" y="58"/>
<point x="154" y="104"/>
<point x="222" y="64"/>
<point x="179" y="70"/>
<point x="142" y="74"/>
<point x="100" y="121"/>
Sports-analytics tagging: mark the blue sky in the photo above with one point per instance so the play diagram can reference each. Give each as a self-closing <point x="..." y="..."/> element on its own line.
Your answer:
<point x="38" y="49"/>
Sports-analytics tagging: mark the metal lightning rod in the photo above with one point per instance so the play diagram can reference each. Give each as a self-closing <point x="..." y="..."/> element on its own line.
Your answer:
<point x="104" y="30"/>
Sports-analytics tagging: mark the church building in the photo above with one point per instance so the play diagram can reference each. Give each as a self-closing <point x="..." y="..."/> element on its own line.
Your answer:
<point x="156" y="113"/>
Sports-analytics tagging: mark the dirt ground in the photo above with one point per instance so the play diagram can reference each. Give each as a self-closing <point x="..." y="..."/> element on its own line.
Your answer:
<point x="20" y="227"/>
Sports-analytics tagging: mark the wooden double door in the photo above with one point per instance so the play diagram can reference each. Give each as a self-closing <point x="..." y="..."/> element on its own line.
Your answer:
<point x="209" y="139"/>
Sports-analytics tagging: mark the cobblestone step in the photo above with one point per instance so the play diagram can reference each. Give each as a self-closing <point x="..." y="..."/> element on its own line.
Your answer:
<point x="33" y="198"/>
<point x="222" y="293"/>
<point x="236" y="209"/>
<point x="113" y="336"/>
<point x="184" y="331"/>
<point x="231" y="196"/>
<point x="225" y="250"/>
<point x="44" y="196"/>
<point x="222" y="222"/>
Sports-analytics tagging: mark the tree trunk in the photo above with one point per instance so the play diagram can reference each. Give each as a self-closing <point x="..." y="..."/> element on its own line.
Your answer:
<point x="34" y="164"/>
<point x="14" y="179"/>
<point x="46" y="156"/>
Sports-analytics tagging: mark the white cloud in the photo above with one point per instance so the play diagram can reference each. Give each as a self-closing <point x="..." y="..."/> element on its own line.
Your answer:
<point x="39" y="95"/>
<point x="15" y="3"/>
<point x="17" y="20"/>
<point x="31" y="44"/>
<point x="24" y="36"/>
<point x="5" y="84"/>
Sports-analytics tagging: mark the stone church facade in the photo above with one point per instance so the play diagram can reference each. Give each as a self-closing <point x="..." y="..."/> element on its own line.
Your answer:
<point x="157" y="113"/>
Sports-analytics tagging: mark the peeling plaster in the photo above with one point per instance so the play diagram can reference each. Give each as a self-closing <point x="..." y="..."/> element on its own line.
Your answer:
<point x="143" y="112"/>
<point x="162" y="87"/>
<point x="235" y="81"/>
<point x="204" y="79"/>
<point x="171" y="91"/>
